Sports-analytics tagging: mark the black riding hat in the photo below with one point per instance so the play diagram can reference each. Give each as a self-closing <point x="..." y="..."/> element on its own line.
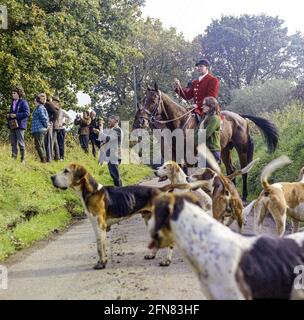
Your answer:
<point x="204" y="62"/>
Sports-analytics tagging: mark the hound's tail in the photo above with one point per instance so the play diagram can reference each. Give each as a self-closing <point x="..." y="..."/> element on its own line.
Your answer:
<point x="271" y="167"/>
<point x="244" y="170"/>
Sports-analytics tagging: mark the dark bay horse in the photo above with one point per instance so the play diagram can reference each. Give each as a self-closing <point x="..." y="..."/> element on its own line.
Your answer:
<point x="160" y="111"/>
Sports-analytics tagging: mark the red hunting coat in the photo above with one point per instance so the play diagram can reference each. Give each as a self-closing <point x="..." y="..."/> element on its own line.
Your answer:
<point x="199" y="90"/>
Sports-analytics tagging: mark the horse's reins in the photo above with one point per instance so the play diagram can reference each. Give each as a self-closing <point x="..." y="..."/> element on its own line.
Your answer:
<point x="181" y="90"/>
<point x="153" y="113"/>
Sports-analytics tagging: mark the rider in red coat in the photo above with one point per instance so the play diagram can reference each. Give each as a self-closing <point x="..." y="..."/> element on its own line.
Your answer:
<point x="206" y="85"/>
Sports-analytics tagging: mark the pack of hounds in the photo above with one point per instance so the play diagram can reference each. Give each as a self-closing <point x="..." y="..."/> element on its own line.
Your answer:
<point x="194" y="213"/>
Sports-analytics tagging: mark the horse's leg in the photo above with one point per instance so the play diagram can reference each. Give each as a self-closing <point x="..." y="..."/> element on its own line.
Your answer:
<point x="245" y="153"/>
<point x="243" y="158"/>
<point x="226" y="158"/>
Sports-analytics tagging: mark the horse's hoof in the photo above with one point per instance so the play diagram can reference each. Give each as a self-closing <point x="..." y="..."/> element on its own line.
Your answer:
<point x="165" y="263"/>
<point x="99" y="266"/>
<point x="149" y="257"/>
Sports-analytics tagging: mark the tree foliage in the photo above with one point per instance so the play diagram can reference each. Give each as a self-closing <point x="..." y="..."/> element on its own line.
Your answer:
<point x="248" y="48"/>
<point x="266" y="96"/>
<point x="157" y="54"/>
<point x="63" y="46"/>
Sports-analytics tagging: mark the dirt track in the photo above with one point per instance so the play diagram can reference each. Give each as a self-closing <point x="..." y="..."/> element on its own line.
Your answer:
<point x="61" y="268"/>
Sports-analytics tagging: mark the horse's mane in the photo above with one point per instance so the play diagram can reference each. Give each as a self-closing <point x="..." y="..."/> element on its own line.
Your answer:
<point x="175" y="104"/>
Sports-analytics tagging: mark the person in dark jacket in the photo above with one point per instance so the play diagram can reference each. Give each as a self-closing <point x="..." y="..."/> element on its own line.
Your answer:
<point x="40" y="123"/>
<point x="55" y="145"/>
<point x="17" y="122"/>
<point x="84" y="130"/>
<point x="93" y="136"/>
<point x="53" y="113"/>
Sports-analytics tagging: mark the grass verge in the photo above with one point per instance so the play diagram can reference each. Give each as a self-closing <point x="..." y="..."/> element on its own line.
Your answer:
<point x="31" y="208"/>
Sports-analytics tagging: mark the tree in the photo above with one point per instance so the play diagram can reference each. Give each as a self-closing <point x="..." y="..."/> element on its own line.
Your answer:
<point x="248" y="48"/>
<point x="267" y="96"/>
<point x="155" y="54"/>
<point x="62" y="46"/>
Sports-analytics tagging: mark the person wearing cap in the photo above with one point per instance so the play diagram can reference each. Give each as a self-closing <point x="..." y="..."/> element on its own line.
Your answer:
<point x="17" y="121"/>
<point x="207" y="85"/>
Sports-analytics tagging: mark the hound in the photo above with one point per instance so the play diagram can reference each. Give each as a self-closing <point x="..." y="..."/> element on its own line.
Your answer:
<point x="280" y="199"/>
<point x="106" y="206"/>
<point x="228" y="265"/>
<point x="171" y="170"/>
<point x="227" y="204"/>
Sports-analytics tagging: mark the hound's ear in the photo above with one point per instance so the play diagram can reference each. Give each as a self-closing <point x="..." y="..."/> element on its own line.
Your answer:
<point x="139" y="107"/>
<point x="155" y="86"/>
<point x="218" y="186"/>
<point x="176" y="168"/>
<point x="80" y="173"/>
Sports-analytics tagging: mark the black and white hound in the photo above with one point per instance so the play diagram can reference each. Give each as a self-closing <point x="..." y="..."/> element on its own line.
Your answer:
<point x="229" y="265"/>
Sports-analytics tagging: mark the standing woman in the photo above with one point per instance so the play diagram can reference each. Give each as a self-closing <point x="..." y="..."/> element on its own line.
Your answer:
<point x="212" y="125"/>
<point x="40" y="123"/>
<point x="17" y="122"/>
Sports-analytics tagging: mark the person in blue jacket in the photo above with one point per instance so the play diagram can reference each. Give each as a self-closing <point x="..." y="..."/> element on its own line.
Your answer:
<point x="17" y="122"/>
<point x="40" y="124"/>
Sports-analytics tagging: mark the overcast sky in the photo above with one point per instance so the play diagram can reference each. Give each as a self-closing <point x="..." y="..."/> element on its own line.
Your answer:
<point x="193" y="16"/>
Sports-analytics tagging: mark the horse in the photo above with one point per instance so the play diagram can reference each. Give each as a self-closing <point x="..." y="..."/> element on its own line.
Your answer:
<point x="159" y="111"/>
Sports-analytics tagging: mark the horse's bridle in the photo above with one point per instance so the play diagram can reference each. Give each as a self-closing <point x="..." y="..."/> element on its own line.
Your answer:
<point x="153" y="114"/>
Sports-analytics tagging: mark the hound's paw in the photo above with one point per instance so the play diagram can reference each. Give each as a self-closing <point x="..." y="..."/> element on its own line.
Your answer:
<point x="149" y="257"/>
<point x="99" y="266"/>
<point x="165" y="263"/>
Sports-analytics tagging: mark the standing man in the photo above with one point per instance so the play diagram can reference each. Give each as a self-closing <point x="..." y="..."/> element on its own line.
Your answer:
<point x="17" y="122"/>
<point x="84" y="129"/>
<point x="53" y="113"/>
<point x="206" y="85"/>
<point x="112" y="137"/>
<point x="64" y="119"/>
<point x="55" y="145"/>
<point x="93" y="136"/>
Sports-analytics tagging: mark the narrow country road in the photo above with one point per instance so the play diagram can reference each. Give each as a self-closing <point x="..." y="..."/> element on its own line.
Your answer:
<point x="61" y="268"/>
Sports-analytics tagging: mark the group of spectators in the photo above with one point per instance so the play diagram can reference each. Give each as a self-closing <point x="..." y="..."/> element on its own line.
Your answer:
<point x="89" y="128"/>
<point x="48" y="125"/>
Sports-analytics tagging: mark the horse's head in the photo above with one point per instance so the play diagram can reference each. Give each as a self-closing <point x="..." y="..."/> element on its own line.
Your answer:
<point x="152" y="107"/>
